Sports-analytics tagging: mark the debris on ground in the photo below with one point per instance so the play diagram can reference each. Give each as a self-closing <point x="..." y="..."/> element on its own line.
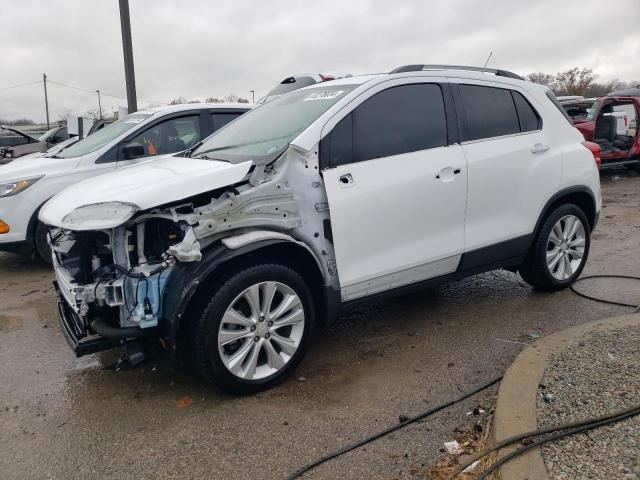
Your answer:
<point x="453" y="447"/>
<point x="549" y="398"/>
<point x="472" y="438"/>
<point x="533" y="335"/>
<point x="184" y="401"/>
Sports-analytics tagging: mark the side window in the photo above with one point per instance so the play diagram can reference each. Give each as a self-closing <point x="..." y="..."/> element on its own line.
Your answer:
<point x="221" y="119"/>
<point x="402" y="119"/>
<point x="490" y="111"/>
<point x="170" y="136"/>
<point x="60" y="136"/>
<point x="529" y="118"/>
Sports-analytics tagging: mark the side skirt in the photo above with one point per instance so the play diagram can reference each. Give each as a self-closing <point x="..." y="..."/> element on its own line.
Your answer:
<point x="507" y="255"/>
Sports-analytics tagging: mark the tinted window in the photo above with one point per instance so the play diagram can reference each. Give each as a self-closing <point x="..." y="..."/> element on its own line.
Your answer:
<point x="529" y="119"/>
<point x="490" y="111"/>
<point x="170" y="136"/>
<point x="399" y="120"/>
<point x="221" y="119"/>
<point x="341" y="142"/>
<point x="60" y="135"/>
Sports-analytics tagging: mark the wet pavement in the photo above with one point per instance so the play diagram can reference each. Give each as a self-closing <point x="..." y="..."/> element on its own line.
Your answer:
<point x="62" y="417"/>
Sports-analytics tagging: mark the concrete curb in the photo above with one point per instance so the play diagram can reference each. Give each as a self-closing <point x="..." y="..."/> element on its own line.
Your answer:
<point x="516" y="405"/>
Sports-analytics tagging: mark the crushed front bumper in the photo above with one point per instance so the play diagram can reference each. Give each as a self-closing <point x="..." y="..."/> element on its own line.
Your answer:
<point x="77" y="333"/>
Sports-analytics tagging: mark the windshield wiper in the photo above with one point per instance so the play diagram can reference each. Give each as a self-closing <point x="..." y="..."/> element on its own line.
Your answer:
<point x="228" y="147"/>
<point x="202" y="156"/>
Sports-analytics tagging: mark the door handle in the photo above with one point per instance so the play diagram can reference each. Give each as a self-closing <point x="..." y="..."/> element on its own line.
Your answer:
<point x="346" y="179"/>
<point x="446" y="174"/>
<point x="540" y="147"/>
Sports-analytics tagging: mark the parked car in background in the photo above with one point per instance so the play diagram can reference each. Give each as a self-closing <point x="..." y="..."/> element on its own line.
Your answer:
<point x="15" y="143"/>
<point x="98" y="125"/>
<point x="297" y="81"/>
<point x="26" y="185"/>
<point x="324" y="198"/>
<point x="611" y="122"/>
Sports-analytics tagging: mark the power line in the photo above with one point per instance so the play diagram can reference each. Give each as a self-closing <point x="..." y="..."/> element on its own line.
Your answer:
<point x="21" y="85"/>
<point x="79" y="89"/>
<point x="101" y="92"/>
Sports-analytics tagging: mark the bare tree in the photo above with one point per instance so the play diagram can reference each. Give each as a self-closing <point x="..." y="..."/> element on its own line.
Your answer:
<point x="543" y="79"/>
<point x="599" y="89"/>
<point x="574" y="81"/>
<point x="214" y="100"/>
<point x="178" y="101"/>
<point x="231" y="98"/>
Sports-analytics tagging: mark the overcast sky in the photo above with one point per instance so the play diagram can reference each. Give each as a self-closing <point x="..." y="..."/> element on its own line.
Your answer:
<point x="201" y="48"/>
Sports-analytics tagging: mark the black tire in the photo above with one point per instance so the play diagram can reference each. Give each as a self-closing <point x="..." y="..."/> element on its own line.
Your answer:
<point x="41" y="244"/>
<point x="204" y="329"/>
<point x="535" y="270"/>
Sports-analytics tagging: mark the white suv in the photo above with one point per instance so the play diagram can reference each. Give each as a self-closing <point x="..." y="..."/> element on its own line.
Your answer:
<point x="27" y="184"/>
<point x="321" y="199"/>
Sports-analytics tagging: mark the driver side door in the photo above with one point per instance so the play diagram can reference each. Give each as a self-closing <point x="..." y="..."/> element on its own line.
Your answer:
<point x="169" y="136"/>
<point x="396" y="183"/>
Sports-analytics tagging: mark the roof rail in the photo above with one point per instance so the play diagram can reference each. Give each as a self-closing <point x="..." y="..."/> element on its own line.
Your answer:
<point x="421" y="67"/>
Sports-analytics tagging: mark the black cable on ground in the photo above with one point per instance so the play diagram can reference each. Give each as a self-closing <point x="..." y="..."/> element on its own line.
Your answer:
<point x="572" y="427"/>
<point x="564" y="430"/>
<point x="371" y="438"/>
<point x="602" y="300"/>
<point x="557" y="436"/>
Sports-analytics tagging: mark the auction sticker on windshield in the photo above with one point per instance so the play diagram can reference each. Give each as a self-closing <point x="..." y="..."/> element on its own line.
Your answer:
<point x="326" y="95"/>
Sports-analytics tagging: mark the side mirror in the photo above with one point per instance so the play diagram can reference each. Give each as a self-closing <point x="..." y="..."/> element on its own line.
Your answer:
<point x="132" y="150"/>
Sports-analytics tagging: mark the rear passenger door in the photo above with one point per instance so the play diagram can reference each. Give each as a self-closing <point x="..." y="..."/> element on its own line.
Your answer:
<point x="513" y="169"/>
<point x="396" y="183"/>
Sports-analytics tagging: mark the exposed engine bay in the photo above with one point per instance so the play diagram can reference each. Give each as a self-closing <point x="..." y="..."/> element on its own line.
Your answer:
<point x="117" y="277"/>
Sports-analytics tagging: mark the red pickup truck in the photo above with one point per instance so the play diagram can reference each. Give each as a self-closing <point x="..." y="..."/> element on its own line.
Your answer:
<point x="612" y="123"/>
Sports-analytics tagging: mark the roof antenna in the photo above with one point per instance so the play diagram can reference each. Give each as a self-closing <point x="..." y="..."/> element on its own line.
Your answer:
<point x="485" y="63"/>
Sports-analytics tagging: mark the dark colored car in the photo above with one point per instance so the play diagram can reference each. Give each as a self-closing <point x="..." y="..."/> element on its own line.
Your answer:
<point x="294" y="82"/>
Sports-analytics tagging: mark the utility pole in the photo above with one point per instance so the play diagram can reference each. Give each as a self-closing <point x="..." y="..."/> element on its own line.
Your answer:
<point x="46" y="99"/>
<point x="253" y="96"/>
<point x="99" y="105"/>
<point x="129" y="74"/>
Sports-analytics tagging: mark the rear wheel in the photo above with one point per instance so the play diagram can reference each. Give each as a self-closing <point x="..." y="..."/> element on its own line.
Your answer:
<point x="41" y="243"/>
<point x="255" y="329"/>
<point x="559" y="251"/>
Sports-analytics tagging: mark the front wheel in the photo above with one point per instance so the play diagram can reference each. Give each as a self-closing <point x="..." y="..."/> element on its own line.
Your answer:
<point x="559" y="251"/>
<point x="41" y="242"/>
<point x="255" y="329"/>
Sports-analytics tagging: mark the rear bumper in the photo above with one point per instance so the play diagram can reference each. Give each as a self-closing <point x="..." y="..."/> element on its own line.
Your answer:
<point x="77" y="332"/>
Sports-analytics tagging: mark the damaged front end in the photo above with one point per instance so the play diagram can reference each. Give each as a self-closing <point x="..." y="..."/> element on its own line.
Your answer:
<point x="110" y="282"/>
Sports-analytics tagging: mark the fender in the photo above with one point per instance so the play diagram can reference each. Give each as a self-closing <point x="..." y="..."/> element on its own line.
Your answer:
<point x="557" y="196"/>
<point x="185" y="278"/>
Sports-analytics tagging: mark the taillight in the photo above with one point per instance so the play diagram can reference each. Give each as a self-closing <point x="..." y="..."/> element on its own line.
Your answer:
<point x="594" y="148"/>
<point x="327" y="77"/>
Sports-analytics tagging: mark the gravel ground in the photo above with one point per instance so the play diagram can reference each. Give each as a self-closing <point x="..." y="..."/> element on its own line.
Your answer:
<point x="594" y="377"/>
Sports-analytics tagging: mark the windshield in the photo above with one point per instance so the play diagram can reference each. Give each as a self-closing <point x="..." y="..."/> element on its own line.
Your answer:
<point x="265" y="132"/>
<point x="104" y="136"/>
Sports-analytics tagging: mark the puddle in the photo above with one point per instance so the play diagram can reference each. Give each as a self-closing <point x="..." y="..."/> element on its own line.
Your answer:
<point x="10" y="322"/>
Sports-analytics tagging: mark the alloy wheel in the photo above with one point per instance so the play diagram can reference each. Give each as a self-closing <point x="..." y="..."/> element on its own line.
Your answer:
<point x="565" y="247"/>
<point x="261" y="330"/>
